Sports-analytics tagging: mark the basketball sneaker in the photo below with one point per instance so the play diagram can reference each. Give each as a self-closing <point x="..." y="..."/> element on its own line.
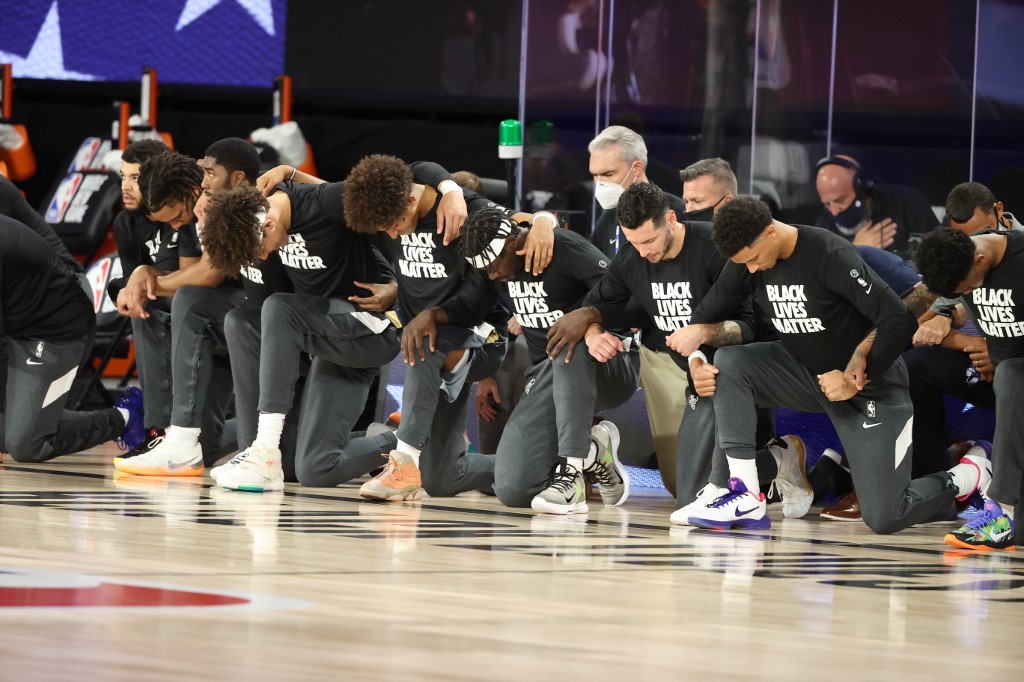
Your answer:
<point x="258" y="471"/>
<point x="612" y="477"/>
<point x="980" y="457"/>
<point x="399" y="481"/>
<point x="566" y="492"/>
<point x="987" y="531"/>
<point x="154" y="437"/>
<point x="134" y="433"/>
<point x="790" y="486"/>
<point x="233" y="462"/>
<point x="738" y="508"/>
<point x="707" y="495"/>
<point x="168" y="458"/>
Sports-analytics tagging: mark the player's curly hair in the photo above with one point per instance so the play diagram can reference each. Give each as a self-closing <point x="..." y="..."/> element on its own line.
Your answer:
<point x="483" y="226"/>
<point x="641" y="202"/>
<point x="944" y="260"/>
<point x="168" y="178"/>
<point x="231" y="235"/>
<point x="376" y="192"/>
<point x="738" y="223"/>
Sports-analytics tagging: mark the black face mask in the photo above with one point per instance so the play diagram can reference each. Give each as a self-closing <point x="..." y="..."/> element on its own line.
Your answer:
<point x="706" y="215"/>
<point x="851" y="216"/>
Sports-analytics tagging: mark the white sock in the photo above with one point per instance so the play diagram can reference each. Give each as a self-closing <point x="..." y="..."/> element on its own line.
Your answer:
<point x="124" y="414"/>
<point x="581" y="463"/>
<point x="965" y="478"/>
<point x="407" y="449"/>
<point x="746" y="471"/>
<point x="184" y="435"/>
<point x="268" y="430"/>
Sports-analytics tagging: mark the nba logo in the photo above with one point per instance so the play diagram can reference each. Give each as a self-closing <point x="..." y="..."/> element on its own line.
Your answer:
<point x="693" y="401"/>
<point x="529" y="385"/>
<point x="39" y="350"/>
<point x="871" y="409"/>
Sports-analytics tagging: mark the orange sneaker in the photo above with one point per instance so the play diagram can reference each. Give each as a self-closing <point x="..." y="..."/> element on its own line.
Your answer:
<point x="400" y="480"/>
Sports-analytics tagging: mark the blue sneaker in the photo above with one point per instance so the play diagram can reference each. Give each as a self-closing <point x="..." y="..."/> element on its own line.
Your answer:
<point x="972" y="506"/>
<point x="738" y="508"/>
<point x="134" y="433"/>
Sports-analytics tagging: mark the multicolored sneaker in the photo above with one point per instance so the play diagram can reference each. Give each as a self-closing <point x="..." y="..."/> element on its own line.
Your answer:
<point x="707" y="495"/>
<point x="134" y="433"/>
<point x="565" y="494"/>
<point x="979" y="457"/>
<point x="989" y="530"/>
<point x="258" y="471"/>
<point x="169" y="458"/>
<point x="612" y="477"/>
<point x="154" y="437"/>
<point x="399" y="481"/>
<point x="738" y="508"/>
<point x="790" y="488"/>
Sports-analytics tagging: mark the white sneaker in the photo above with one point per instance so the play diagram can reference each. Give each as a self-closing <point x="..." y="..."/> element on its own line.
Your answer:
<point x="739" y="508"/>
<point x="612" y="477"/>
<point x="231" y="463"/>
<point x="259" y="471"/>
<point x="791" y="487"/>
<point x="169" y="458"/>
<point x="707" y="495"/>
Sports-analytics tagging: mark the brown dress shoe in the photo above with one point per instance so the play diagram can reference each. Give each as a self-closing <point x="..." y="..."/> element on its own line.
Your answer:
<point x="846" y="508"/>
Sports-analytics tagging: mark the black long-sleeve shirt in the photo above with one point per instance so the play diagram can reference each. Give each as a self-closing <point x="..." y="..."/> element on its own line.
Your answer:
<point x="823" y="300"/>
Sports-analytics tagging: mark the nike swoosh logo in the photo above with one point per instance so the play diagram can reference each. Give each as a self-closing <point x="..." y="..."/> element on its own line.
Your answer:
<point x="29" y="362"/>
<point x="871" y="426"/>
<point x="997" y="537"/>
<point x="745" y="511"/>
<point x="868" y="290"/>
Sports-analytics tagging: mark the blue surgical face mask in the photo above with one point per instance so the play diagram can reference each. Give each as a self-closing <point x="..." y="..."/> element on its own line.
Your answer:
<point x="851" y="216"/>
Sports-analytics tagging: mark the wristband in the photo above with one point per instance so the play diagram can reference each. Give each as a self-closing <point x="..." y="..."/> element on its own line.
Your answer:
<point x="294" y="171"/>
<point x="448" y="186"/>
<point x="546" y="214"/>
<point x="695" y="355"/>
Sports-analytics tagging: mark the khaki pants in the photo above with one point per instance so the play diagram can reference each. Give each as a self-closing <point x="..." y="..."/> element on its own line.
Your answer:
<point x="664" y="385"/>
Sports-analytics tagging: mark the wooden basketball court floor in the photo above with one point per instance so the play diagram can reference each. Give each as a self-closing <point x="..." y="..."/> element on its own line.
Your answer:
<point x="171" y="579"/>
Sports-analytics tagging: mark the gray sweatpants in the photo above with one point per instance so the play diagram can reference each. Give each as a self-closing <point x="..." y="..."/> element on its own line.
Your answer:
<point x="1008" y="446"/>
<point x="436" y="425"/>
<point x="511" y="379"/>
<point x="152" y="338"/>
<point x="874" y="427"/>
<point x="36" y="427"/>
<point x="265" y="345"/>
<point x="201" y="385"/>
<point x="554" y="416"/>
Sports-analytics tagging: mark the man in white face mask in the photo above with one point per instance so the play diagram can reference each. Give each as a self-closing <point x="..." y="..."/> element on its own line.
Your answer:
<point x="618" y="160"/>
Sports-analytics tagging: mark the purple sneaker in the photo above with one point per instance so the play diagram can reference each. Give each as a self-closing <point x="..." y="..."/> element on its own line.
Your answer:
<point x="738" y="508"/>
<point x="134" y="433"/>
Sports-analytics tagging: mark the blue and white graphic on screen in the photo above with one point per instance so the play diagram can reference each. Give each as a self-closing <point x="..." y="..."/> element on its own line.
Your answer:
<point x="215" y="42"/>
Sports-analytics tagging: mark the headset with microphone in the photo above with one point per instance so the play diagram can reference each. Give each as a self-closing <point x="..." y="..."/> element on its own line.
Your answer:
<point x="863" y="184"/>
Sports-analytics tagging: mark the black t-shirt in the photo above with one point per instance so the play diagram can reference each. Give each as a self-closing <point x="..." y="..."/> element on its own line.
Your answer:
<point x="13" y="205"/>
<point x="323" y="257"/>
<point x="907" y="207"/>
<point x="608" y="235"/>
<point x="140" y="241"/>
<point x="823" y="300"/>
<point x="40" y="296"/>
<point x="994" y="307"/>
<point x="668" y="291"/>
<point x="537" y="301"/>
<point x="263" y="279"/>
<point x="429" y="273"/>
